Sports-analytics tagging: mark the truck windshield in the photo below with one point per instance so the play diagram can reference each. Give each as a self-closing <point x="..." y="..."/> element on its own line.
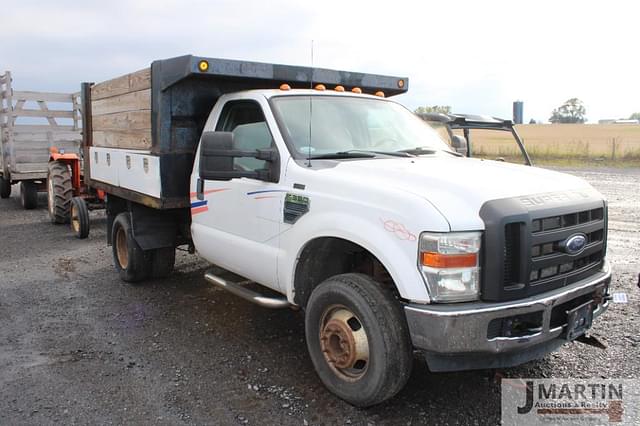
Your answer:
<point x="348" y="124"/>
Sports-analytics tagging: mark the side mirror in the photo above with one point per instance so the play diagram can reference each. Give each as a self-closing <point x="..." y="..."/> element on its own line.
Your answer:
<point x="459" y="144"/>
<point x="217" y="154"/>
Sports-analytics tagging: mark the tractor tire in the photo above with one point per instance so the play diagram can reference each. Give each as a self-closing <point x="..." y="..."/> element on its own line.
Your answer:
<point x="5" y="187"/>
<point x="79" y="218"/>
<point x="28" y="195"/>
<point x="59" y="192"/>
<point x="163" y="261"/>
<point x="358" y="339"/>
<point x="133" y="263"/>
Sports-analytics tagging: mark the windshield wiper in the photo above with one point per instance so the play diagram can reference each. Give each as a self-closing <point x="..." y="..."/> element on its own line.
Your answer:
<point x="425" y="151"/>
<point x="342" y="155"/>
<point x="360" y="153"/>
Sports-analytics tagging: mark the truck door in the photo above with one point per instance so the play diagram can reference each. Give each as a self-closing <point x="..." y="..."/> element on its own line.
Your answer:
<point x="241" y="217"/>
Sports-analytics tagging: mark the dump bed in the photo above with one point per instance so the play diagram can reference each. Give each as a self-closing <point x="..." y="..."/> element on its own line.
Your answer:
<point x="143" y="128"/>
<point x="30" y="124"/>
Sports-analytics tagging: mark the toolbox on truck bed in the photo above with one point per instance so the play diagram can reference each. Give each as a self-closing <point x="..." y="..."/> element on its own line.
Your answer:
<point x="147" y="124"/>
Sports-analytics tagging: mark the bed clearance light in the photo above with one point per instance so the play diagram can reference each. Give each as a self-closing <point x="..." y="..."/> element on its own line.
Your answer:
<point x="339" y="89"/>
<point x="203" y="66"/>
<point x="380" y="93"/>
<point x="356" y="90"/>
<point x="320" y="87"/>
<point x="285" y="86"/>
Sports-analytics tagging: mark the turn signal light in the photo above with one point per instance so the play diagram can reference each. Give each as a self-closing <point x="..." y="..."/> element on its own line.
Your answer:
<point x="439" y="260"/>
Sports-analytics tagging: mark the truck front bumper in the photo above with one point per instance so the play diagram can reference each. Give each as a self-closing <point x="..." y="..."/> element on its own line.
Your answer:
<point x="496" y="335"/>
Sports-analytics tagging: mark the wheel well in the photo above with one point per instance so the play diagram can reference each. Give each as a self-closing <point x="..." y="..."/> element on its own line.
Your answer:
<point x="325" y="257"/>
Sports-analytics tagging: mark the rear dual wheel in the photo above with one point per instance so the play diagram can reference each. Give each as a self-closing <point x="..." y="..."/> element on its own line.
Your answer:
<point x="133" y="263"/>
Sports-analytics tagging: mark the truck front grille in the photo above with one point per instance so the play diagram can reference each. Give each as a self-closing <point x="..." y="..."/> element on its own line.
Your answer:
<point x="531" y="258"/>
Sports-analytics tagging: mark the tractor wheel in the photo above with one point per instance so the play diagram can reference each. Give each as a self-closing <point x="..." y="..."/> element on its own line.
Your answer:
<point x="59" y="192"/>
<point x="28" y="194"/>
<point x="5" y="187"/>
<point x="79" y="217"/>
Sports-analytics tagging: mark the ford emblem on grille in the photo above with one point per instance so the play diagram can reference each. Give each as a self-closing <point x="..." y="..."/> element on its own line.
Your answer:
<point x="575" y="244"/>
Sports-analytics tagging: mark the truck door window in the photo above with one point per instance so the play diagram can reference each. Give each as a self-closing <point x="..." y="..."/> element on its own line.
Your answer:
<point x="250" y="131"/>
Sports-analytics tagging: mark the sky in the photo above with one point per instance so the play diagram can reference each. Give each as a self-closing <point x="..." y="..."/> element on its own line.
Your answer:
<point x="476" y="56"/>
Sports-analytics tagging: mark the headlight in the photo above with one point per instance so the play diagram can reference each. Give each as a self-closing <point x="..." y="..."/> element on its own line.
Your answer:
<point x="450" y="265"/>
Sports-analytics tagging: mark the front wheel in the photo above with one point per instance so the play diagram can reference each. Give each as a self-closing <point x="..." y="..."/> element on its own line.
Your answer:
<point x="79" y="218"/>
<point x="358" y="339"/>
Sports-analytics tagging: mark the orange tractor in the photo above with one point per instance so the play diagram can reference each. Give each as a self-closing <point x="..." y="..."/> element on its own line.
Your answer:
<point x="68" y="198"/>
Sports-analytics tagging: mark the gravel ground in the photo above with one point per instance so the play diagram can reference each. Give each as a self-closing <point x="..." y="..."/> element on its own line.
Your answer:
<point x="79" y="346"/>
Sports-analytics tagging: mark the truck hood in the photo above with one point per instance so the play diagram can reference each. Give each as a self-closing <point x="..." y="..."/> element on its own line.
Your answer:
<point x="458" y="187"/>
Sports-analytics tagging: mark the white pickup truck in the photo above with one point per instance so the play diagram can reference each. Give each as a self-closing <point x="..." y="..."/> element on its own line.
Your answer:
<point x="336" y="200"/>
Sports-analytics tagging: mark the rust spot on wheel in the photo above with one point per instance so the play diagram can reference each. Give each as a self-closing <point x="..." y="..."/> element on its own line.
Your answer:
<point x="344" y="343"/>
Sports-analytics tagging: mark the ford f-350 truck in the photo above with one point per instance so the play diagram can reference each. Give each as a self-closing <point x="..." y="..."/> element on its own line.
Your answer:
<point x="314" y="186"/>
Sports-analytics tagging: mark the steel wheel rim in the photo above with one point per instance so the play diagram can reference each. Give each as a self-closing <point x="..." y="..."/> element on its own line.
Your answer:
<point x="344" y="343"/>
<point x="121" y="248"/>
<point x="75" y="219"/>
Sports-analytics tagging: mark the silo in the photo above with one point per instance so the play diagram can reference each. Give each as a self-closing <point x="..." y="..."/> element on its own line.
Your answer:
<point x="518" y="109"/>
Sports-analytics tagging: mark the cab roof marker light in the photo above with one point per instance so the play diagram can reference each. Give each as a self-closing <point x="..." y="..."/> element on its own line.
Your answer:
<point x="380" y="93"/>
<point x="320" y="87"/>
<point x="339" y="89"/>
<point x="356" y="90"/>
<point x="285" y="86"/>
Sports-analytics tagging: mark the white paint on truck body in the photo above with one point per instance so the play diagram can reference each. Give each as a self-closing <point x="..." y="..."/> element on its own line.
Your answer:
<point x="131" y="169"/>
<point x="381" y="204"/>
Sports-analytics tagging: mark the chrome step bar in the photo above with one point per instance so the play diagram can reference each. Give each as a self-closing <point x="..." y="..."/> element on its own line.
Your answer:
<point x="252" y="296"/>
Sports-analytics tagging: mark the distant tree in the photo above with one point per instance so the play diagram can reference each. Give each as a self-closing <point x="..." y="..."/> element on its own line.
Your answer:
<point x="533" y="121"/>
<point x="445" y="109"/>
<point x="572" y="111"/>
<point x="635" y="116"/>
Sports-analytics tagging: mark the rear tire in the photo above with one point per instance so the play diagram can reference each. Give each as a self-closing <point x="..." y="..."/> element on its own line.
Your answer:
<point x="133" y="263"/>
<point x="28" y="195"/>
<point x="5" y="187"/>
<point x="59" y="192"/>
<point x="358" y="339"/>
<point x="79" y="218"/>
<point x="163" y="261"/>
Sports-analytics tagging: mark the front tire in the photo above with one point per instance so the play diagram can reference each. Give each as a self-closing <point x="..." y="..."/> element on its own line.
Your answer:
<point x="5" y="187"/>
<point x="79" y="218"/>
<point x="132" y="263"/>
<point x="28" y="195"/>
<point x="358" y="339"/>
